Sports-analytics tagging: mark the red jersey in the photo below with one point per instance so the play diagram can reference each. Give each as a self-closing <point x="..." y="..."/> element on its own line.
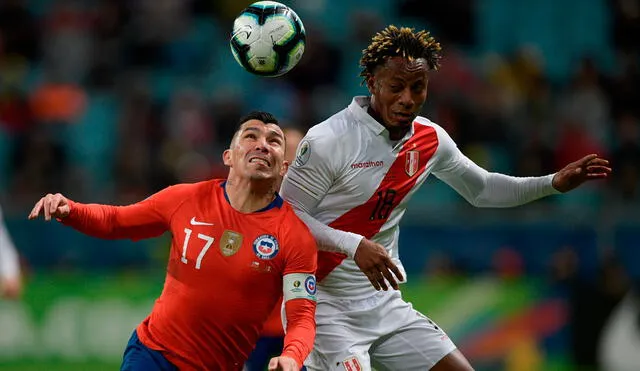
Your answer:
<point x="224" y="276"/>
<point x="273" y="326"/>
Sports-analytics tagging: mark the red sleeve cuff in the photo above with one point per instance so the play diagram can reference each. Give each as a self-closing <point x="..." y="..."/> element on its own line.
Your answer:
<point x="292" y="354"/>
<point x="72" y="212"/>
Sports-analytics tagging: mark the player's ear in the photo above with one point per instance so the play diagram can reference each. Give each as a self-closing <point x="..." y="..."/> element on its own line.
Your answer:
<point x="371" y="83"/>
<point x="226" y="157"/>
<point x="285" y="167"/>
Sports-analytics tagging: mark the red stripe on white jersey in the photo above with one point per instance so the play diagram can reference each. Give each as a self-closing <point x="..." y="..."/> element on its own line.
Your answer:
<point x="367" y="218"/>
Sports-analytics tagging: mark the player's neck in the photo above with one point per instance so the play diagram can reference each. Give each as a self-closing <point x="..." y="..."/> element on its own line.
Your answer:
<point x="250" y="195"/>
<point x="395" y="133"/>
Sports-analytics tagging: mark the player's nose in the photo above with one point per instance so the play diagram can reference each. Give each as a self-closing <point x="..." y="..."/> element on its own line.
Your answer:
<point x="262" y="145"/>
<point x="406" y="98"/>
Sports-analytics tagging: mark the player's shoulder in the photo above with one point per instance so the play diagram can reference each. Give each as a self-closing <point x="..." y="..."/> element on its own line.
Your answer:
<point x="193" y="188"/>
<point x="425" y="122"/>
<point x="291" y="223"/>
<point x="333" y="128"/>
<point x="335" y="136"/>
<point x="441" y="133"/>
<point x="445" y="144"/>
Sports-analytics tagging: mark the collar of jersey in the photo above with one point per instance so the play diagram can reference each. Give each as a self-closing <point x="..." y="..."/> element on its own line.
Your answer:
<point x="358" y="108"/>
<point x="277" y="202"/>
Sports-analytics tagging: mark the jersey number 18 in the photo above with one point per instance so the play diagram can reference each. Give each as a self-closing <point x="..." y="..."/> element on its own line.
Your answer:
<point x="384" y="205"/>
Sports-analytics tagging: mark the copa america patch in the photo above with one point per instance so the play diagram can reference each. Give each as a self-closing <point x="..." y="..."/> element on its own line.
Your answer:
<point x="299" y="286"/>
<point x="266" y="247"/>
<point x="304" y="152"/>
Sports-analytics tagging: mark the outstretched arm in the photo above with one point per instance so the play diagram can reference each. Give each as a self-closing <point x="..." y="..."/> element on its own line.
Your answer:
<point x="136" y="221"/>
<point x="487" y="189"/>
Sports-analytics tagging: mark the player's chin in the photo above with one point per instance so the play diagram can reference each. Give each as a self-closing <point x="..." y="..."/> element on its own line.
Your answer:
<point x="262" y="175"/>
<point x="401" y="121"/>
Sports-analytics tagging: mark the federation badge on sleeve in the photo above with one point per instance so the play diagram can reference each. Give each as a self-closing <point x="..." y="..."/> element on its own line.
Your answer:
<point x="230" y="242"/>
<point x="352" y="364"/>
<point x="266" y="247"/>
<point x="310" y="285"/>
<point x="304" y="152"/>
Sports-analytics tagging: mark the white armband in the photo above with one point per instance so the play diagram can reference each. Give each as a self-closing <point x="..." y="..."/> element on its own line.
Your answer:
<point x="299" y="286"/>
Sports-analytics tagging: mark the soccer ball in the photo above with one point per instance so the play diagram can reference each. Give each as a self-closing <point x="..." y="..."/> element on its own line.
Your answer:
<point x="268" y="39"/>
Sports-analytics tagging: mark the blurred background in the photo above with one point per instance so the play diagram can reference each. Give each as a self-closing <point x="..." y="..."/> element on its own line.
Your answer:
<point x="110" y="101"/>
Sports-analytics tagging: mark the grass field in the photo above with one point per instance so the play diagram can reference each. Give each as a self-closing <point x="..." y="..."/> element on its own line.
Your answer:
<point x="51" y="365"/>
<point x="465" y="308"/>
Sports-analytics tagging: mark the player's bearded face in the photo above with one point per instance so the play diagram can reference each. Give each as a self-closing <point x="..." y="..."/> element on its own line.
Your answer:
<point x="258" y="151"/>
<point x="399" y="89"/>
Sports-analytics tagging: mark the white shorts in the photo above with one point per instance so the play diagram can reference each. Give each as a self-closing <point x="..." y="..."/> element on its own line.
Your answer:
<point x="382" y="331"/>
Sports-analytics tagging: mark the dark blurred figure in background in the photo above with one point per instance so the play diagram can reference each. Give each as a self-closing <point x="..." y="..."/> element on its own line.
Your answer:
<point x="590" y="302"/>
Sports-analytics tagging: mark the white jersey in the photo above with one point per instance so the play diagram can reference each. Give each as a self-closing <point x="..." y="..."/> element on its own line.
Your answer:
<point x="9" y="263"/>
<point x="350" y="181"/>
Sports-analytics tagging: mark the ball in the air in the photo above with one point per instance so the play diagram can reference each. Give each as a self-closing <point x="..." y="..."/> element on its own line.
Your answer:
<point x="268" y="38"/>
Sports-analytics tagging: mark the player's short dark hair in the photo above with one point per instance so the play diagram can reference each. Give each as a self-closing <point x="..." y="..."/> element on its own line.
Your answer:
<point x="263" y="116"/>
<point x="404" y="42"/>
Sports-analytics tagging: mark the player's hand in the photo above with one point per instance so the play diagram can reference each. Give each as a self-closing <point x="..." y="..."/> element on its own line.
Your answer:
<point x="56" y="206"/>
<point x="283" y="363"/>
<point x="587" y="168"/>
<point x="11" y="288"/>
<point x="374" y="261"/>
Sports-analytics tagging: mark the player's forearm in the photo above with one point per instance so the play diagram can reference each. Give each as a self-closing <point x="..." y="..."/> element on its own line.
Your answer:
<point x="301" y="329"/>
<point x="111" y="222"/>
<point x="331" y="239"/>
<point x="303" y="197"/>
<point x="92" y="219"/>
<point x="506" y="191"/>
<point x="484" y="189"/>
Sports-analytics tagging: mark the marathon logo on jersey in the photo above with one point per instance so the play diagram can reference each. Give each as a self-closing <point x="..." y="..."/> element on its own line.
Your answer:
<point x="367" y="164"/>
<point x="230" y="242"/>
<point x="304" y="152"/>
<point x="299" y="286"/>
<point x="266" y="247"/>
<point x="411" y="162"/>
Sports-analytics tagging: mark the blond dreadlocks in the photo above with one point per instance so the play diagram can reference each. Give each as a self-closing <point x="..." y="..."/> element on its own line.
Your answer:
<point x="404" y="42"/>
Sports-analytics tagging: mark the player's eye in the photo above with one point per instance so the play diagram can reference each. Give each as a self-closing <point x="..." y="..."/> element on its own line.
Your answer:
<point x="418" y="88"/>
<point x="396" y="88"/>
